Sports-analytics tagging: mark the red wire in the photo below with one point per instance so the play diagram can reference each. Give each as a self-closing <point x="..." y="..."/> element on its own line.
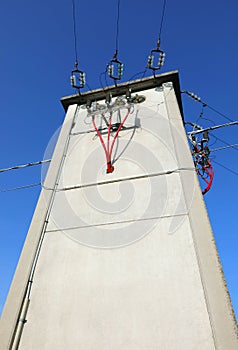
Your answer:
<point x="211" y="175"/>
<point x="117" y="132"/>
<point x="210" y="172"/>
<point x="108" y="149"/>
<point x="99" y="135"/>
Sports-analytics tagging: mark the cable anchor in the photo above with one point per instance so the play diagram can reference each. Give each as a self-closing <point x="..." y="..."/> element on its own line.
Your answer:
<point x="160" y="54"/>
<point x="78" y="78"/>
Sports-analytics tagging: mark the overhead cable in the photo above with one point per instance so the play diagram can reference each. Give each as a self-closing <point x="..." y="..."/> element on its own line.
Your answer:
<point x="225" y="167"/>
<point x="25" y="165"/>
<point x="198" y="99"/>
<point x="221" y="114"/>
<point x="20" y="187"/>
<point x="75" y="32"/>
<point x="225" y="147"/>
<point x="115" y="67"/>
<point x="118" y="22"/>
<point x="78" y="77"/>
<point x="162" y="19"/>
<point x="225" y="143"/>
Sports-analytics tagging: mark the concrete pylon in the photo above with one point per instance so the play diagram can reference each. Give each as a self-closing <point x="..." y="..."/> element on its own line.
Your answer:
<point x="123" y="259"/>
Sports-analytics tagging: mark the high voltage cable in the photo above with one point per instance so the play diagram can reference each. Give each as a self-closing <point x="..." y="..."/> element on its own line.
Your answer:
<point x="118" y="23"/>
<point x="225" y="147"/>
<point x="221" y="114"/>
<point x="162" y="19"/>
<point x="115" y="67"/>
<point x="198" y="99"/>
<point x="75" y="32"/>
<point x="20" y="187"/>
<point x="25" y="165"/>
<point x="225" y="143"/>
<point x="78" y="77"/>
<point x="22" y="167"/>
<point x="225" y="167"/>
<point x="157" y="50"/>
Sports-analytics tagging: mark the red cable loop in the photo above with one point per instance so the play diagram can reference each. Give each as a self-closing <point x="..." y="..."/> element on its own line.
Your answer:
<point x="108" y="149"/>
<point x="209" y="171"/>
<point x="211" y="175"/>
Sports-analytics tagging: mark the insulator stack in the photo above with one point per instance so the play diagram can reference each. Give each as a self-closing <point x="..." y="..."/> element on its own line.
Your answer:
<point x="120" y="69"/>
<point x="151" y="58"/>
<point x="78" y="78"/>
<point x="195" y="97"/>
<point x="73" y="80"/>
<point x="110" y="70"/>
<point x="115" y="69"/>
<point x="150" y="61"/>
<point x="161" y="59"/>
<point x="82" y="78"/>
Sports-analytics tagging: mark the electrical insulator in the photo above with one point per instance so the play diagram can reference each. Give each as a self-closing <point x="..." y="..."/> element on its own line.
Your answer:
<point x="78" y="78"/>
<point x="82" y="78"/>
<point x="195" y="97"/>
<point x="73" y="80"/>
<point x="161" y="57"/>
<point x="120" y="69"/>
<point x="110" y="70"/>
<point x="160" y="63"/>
<point x="150" y="61"/>
<point x="115" y="69"/>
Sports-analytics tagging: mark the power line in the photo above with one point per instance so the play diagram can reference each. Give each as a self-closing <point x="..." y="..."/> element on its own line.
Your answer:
<point x="225" y="143"/>
<point x="115" y="67"/>
<point x="75" y="32"/>
<point x="155" y="51"/>
<point x="20" y="187"/>
<point x="225" y="147"/>
<point x="225" y="167"/>
<point x="117" y="26"/>
<point x="25" y="165"/>
<point x="198" y="99"/>
<point x="162" y="19"/>
<point x="221" y="114"/>
<point x="78" y="77"/>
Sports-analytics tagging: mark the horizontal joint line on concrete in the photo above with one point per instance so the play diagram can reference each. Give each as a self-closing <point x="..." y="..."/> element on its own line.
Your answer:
<point x="168" y="172"/>
<point x="118" y="222"/>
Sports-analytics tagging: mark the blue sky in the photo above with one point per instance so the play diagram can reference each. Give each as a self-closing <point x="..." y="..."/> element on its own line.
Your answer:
<point x="37" y="55"/>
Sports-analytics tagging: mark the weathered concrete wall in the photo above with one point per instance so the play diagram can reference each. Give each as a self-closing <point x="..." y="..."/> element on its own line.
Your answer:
<point x="127" y="259"/>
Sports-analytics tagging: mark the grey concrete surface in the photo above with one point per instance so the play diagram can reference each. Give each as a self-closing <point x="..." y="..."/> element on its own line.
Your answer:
<point x="128" y="259"/>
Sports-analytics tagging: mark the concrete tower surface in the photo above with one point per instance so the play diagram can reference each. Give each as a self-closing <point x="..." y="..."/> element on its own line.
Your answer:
<point x="120" y="253"/>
